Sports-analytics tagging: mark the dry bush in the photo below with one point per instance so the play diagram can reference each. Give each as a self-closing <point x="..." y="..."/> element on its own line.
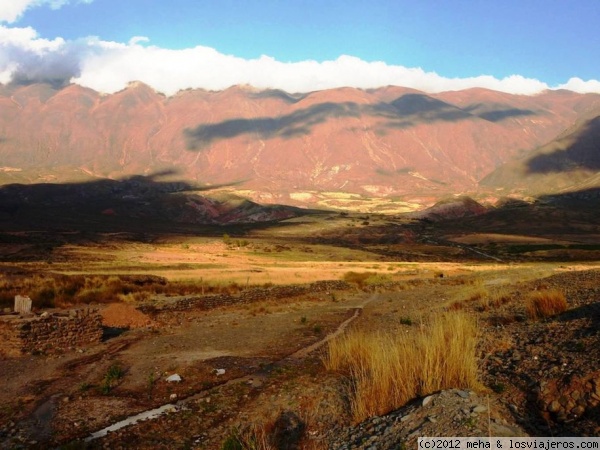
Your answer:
<point x="134" y="297"/>
<point x="261" y="309"/>
<point x="480" y="293"/>
<point x="285" y="431"/>
<point x="487" y="299"/>
<point x="545" y="303"/>
<point x="500" y="296"/>
<point x="358" y="278"/>
<point x="386" y="370"/>
<point x="483" y="304"/>
<point x="256" y="437"/>
<point x="53" y="290"/>
<point x="456" y="306"/>
<point x="378" y="278"/>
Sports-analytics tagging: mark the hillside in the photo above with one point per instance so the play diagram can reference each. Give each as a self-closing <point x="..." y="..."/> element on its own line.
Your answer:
<point x="567" y="163"/>
<point x="278" y="147"/>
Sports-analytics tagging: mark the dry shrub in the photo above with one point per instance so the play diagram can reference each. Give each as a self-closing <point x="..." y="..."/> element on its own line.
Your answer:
<point x="358" y="278"/>
<point x="480" y="293"/>
<point x="254" y="437"/>
<point x="285" y="431"/>
<point x="487" y="299"/>
<point x="134" y="297"/>
<point x="386" y="370"/>
<point x="503" y="319"/>
<point x="456" y="306"/>
<point x="483" y="304"/>
<point x="500" y="296"/>
<point x="545" y="303"/>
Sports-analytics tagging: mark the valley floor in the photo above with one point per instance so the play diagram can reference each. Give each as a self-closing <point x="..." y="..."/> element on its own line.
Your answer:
<point x="253" y="368"/>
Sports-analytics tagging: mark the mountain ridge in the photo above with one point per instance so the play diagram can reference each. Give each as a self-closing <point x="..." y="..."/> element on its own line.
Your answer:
<point x="391" y="141"/>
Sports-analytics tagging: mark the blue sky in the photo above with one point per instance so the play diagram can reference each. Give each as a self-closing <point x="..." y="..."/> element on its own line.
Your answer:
<point x="515" y="46"/>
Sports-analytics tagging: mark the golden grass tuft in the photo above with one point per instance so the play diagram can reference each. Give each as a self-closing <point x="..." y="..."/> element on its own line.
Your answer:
<point x="545" y="303"/>
<point x="359" y="278"/>
<point x="386" y="370"/>
<point x="253" y="437"/>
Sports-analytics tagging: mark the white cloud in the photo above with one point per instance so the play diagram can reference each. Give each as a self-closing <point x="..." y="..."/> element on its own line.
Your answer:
<point x="12" y="10"/>
<point x="113" y="65"/>
<point x="24" y="57"/>
<point x="109" y="66"/>
<point x="583" y="87"/>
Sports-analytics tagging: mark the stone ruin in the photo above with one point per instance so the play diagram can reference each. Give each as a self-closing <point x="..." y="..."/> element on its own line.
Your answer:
<point x="22" y="304"/>
<point x="51" y="332"/>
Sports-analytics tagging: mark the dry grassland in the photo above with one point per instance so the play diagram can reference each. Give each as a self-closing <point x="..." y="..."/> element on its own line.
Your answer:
<point x="545" y="303"/>
<point x="385" y="371"/>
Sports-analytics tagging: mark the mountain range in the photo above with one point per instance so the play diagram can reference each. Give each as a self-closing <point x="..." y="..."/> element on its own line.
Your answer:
<point x="276" y="147"/>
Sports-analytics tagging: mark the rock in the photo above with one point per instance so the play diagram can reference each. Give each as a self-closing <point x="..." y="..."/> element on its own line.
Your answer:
<point x="219" y="372"/>
<point x="479" y="409"/>
<point x="553" y="407"/>
<point x="255" y="383"/>
<point x="175" y="378"/>
<point x="463" y="394"/>
<point x="427" y="400"/>
<point x="578" y="410"/>
<point x="288" y="431"/>
<point x="173" y="397"/>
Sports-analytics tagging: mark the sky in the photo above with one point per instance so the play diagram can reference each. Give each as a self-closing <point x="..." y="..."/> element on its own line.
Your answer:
<point x="515" y="46"/>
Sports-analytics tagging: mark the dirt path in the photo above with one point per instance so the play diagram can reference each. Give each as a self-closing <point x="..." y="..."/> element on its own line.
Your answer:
<point x="191" y="343"/>
<point x="170" y="407"/>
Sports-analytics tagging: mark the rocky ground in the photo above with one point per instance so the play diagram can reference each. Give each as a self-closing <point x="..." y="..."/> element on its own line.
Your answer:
<point x="539" y="377"/>
<point x="549" y="370"/>
<point x="543" y="377"/>
<point x="453" y="412"/>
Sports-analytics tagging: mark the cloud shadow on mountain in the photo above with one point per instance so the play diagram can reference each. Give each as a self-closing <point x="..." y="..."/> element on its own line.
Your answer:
<point x="579" y="150"/>
<point x="297" y="123"/>
<point x="279" y="95"/>
<point x="413" y="109"/>
<point x="404" y="112"/>
<point x="497" y="113"/>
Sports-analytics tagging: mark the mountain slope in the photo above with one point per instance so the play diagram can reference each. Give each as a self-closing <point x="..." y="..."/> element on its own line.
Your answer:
<point x="569" y="162"/>
<point x="381" y="142"/>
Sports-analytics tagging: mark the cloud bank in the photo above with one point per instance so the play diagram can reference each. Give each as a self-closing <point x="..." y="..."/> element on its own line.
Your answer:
<point x="109" y="66"/>
<point x="12" y="10"/>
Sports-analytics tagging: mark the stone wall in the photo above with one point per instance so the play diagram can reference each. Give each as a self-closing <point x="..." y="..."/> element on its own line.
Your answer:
<point x="49" y="332"/>
<point x="249" y="296"/>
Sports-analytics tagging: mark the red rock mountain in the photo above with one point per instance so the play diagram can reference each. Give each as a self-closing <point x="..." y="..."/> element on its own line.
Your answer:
<point x="571" y="162"/>
<point x="390" y="141"/>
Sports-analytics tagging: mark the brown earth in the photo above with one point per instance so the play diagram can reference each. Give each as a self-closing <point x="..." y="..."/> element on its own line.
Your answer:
<point x="120" y="315"/>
